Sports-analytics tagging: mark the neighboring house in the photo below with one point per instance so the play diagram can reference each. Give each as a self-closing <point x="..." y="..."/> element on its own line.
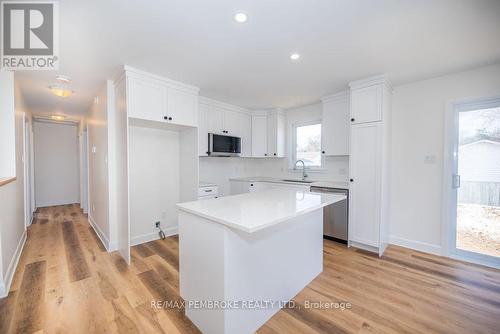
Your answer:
<point x="479" y="170"/>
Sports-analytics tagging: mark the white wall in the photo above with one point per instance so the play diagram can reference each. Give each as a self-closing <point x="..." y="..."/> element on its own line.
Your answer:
<point x="56" y="163"/>
<point x="154" y="181"/>
<point x="418" y="130"/>
<point x="12" y="225"/>
<point x="7" y="125"/>
<point x="219" y="170"/>
<point x="98" y="177"/>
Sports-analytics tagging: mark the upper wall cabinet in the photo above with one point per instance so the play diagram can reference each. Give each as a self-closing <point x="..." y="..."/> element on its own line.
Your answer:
<point x="335" y="125"/>
<point x="276" y="134"/>
<point x="366" y="104"/>
<point x="224" y="119"/>
<point x="268" y="134"/>
<point x="153" y="98"/>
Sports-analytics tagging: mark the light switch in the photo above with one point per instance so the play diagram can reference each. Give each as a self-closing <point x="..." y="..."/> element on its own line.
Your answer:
<point x="430" y="159"/>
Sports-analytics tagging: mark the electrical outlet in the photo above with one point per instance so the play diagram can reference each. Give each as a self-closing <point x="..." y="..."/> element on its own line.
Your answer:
<point x="157" y="224"/>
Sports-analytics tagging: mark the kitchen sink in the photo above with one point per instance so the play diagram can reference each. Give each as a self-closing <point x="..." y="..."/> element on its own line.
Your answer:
<point x="298" y="181"/>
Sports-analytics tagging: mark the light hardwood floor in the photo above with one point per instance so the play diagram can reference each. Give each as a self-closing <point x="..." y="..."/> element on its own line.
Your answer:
<point x="67" y="283"/>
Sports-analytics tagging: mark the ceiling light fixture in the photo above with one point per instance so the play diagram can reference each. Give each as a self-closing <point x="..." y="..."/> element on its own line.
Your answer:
<point x="240" y="17"/>
<point x="294" y="56"/>
<point x="60" y="91"/>
<point x="63" y="78"/>
<point x="58" y="117"/>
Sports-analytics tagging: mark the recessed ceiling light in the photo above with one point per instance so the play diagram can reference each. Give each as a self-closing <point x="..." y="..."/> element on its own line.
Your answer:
<point x="241" y="17"/>
<point x="61" y="91"/>
<point x="63" y="78"/>
<point x="57" y="117"/>
<point x="294" y="56"/>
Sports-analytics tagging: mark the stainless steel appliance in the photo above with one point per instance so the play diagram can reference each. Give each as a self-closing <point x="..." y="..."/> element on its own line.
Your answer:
<point x="223" y="146"/>
<point x="335" y="216"/>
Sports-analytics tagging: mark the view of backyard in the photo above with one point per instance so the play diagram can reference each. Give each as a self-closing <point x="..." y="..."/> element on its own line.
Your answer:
<point x="478" y="209"/>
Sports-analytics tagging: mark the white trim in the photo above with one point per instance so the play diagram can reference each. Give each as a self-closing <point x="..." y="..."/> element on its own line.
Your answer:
<point x="293" y="143"/>
<point x="140" y="239"/>
<point x="169" y="82"/>
<point x="223" y="105"/>
<point x="417" y="245"/>
<point x="9" y="275"/>
<point x="335" y="97"/>
<point x="105" y="241"/>
<point x="482" y="259"/>
<point x="450" y="167"/>
<point x="363" y="246"/>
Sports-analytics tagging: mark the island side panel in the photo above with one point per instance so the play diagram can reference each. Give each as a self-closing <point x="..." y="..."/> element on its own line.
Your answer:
<point x="201" y="269"/>
<point x="274" y="264"/>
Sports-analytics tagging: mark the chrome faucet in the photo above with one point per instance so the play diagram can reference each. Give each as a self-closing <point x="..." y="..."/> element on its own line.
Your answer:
<point x="304" y="174"/>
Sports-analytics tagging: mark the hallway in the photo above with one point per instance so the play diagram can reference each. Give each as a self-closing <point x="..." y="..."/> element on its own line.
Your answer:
<point x="66" y="282"/>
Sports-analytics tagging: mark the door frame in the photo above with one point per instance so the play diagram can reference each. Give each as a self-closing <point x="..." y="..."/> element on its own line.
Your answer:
<point x="450" y="167"/>
<point x="27" y="162"/>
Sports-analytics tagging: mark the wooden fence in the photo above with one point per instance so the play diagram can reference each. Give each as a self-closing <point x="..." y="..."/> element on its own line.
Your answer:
<point x="484" y="193"/>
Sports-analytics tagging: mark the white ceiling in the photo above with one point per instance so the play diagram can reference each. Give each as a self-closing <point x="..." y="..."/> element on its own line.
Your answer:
<point x="197" y="42"/>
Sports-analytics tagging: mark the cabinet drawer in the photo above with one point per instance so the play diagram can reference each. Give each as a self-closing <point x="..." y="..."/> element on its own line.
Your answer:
<point x="207" y="191"/>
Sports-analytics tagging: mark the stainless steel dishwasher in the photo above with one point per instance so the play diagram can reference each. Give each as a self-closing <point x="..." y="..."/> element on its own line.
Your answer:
<point x="335" y="216"/>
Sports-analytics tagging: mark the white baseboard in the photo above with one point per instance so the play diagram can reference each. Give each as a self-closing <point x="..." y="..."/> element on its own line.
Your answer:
<point x="104" y="239"/>
<point x="56" y="203"/>
<point x="9" y="275"/>
<point x="140" y="239"/>
<point x="417" y="245"/>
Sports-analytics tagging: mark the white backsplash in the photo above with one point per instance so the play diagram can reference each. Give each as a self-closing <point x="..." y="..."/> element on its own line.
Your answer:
<point x="218" y="170"/>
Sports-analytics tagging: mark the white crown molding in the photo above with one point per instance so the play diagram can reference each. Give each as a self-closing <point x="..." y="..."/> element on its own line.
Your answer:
<point x="335" y="97"/>
<point x="370" y="81"/>
<point x="174" y="84"/>
<point x="223" y="105"/>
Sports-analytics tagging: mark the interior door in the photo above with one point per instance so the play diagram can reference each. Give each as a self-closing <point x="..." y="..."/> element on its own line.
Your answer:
<point x="475" y="182"/>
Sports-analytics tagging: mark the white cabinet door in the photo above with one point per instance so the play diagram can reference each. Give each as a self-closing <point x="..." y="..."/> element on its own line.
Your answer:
<point x="146" y="99"/>
<point x="366" y="104"/>
<point x="365" y="174"/>
<point x="275" y="135"/>
<point x="215" y="120"/>
<point x="202" y="130"/>
<point x="259" y="136"/>
<point x="239" y="125"/>
<point x="182" y="107"/>
<point x="335" y="126"/>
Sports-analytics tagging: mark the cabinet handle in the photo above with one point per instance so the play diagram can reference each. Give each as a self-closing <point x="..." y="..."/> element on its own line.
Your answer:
<point x="251" y="184"/>
<point x="170" y="118"/>
<point x="165" y="118"/>
<point x="323" y="152"/>
<point x="265" y="154"/>
<point x="352" y="119"/>
<point x="274" y="153"/>
<point x="351" y="180"/>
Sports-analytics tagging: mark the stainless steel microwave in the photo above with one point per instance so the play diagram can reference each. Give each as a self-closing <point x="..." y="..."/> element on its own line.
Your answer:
<point x="223" y="146"/>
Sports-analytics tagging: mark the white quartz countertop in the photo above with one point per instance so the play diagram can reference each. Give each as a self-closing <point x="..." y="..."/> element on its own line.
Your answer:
<point x="256" y="211"/>
<point x="325" y="184"/>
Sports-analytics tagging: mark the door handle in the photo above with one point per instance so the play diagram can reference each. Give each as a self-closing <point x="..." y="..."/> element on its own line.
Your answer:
<point x="456" y="181"/>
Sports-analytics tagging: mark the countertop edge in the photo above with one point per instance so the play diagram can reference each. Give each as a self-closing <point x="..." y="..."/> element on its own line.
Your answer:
<point x="7" y="180"/>
<point x="253" y="230"/>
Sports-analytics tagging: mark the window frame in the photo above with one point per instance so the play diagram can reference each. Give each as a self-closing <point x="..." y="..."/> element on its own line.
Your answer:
<point x="293" y="146"/>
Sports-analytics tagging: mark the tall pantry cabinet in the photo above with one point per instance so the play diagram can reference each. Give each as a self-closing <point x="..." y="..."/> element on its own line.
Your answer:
<point x="369" y="166"/>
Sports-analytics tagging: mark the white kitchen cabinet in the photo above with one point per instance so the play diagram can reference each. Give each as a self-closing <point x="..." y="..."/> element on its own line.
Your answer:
<point x="366" y="104"/>
<point x="225" y="119"/>
<point x="369" y="164"/>
<point x="182" y="107"/>
<point x="365" y="187"/>
<point x="154" y="98"/>
<point x="275" y="134"/>
<point x="146" y="99"/>
<point x="335" y="125"/>
<point x="259" y="136"/>
<point x="215" y="120"/>
<point x="268" y="134"/>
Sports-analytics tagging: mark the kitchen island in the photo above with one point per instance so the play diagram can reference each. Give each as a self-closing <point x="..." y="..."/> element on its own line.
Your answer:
<point x="243" y="257"/>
